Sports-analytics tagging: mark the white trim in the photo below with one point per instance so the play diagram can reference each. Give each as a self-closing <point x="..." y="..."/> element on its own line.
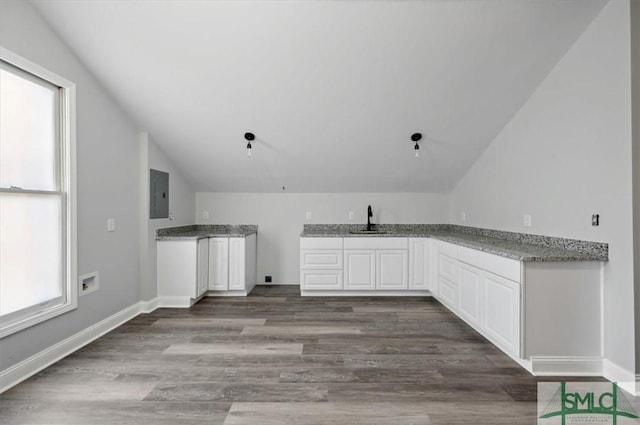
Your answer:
<point x="175" y="302"/>
<point x="226" y="294"/>
<point x="626" y="379"/>
<point x="34" y="364"/>
<point x="276" y="284"/>
<point x="400" y="293"/>
<point x="150" y="305"/>
<point x="68" y="186"/>
<point x="566" y="366"/>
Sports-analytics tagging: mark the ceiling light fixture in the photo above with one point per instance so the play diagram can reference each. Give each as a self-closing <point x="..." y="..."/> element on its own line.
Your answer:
<point x="415" y="137"/>
<point x="249" y="137"/>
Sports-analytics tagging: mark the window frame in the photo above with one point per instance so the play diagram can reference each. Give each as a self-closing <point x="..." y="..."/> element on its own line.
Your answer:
<point x="66" y="174"/>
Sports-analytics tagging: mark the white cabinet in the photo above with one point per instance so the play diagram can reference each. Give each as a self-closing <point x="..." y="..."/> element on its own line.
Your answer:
<point x="182" y="271"/>
<point x="236" y="264"/>
<point x="202" y="267"/>
<point x="360" y="270"/>
<point x="218" y="264"/>
<point x="470" y="294"/>
<point x="372" y="265"/>
<point x="448" y="293"/>
<point x="391" y="269"/>
<point x="321" y="264"/>
<point x="421" y="267"/>
<point x="501" y="312"/>
<point x="232" y="265"/>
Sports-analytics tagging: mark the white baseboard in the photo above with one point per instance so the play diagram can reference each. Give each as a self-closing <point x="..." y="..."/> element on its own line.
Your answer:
<point x="150" y="305"/>
<point x="626" y="379"/>
<point x="226" y="294"/>
<point x="276" y="284"/>
<point x="174" y="302"/>
<point x="403" y="293"/>
<point x="566" y="366"/>
<point x="34" y="364"/>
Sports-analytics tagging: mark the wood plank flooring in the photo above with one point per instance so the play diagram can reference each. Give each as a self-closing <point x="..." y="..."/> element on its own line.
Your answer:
<point x="277" y="358"/>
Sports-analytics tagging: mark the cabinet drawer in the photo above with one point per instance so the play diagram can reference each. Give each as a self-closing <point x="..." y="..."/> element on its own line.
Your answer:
<point x="321" y="279"/>
<point x="502" y="266"/>
<point x="448" y="293"/>
<point x="320" y="243"/>
<point x="376" y="243"/>
<point x="321" y="259"/>
<point x="448" y="267"/>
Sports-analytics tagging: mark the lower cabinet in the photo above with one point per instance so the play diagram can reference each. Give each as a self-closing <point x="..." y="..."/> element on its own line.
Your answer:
<point x="472" y="284"/>
<point x="187" y="268"/>
<point x="232" y="263"/>
<point x="182" y="270"/>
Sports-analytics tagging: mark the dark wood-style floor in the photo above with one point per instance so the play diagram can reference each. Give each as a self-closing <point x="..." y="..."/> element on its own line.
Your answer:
<point x="277" y="358"/>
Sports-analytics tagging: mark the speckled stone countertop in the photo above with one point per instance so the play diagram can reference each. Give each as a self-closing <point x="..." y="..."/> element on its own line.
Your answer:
<point x="517" y="246"/>
<point x="200" y="231"/>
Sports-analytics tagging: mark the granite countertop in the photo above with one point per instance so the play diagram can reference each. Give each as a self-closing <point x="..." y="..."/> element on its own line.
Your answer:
<point x="517" y="246"/>
<point x="200" y="231"/>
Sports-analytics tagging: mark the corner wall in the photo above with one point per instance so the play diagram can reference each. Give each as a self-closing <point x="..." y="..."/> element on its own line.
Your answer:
<point x="281" y="216"/>
<point x="565" y="155"/>
<point x="181" y="207"/>
<point x="107" y="169"/>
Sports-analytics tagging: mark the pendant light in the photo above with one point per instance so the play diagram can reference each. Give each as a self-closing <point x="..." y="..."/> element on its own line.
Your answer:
<point x="249" y="137"/>
<point x="416" y="137"/>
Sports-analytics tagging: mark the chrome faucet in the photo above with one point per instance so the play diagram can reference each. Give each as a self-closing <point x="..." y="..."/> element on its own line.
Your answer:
<point x="369" y="215"/>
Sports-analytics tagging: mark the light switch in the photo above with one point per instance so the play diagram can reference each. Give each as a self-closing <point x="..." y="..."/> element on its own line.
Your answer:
<point x="463" y="216"/>
<point x="527" y="220"/>
<point x="352" y="215"/>
<point x="111" y="225"/>
<point x="205" y="215"/>
<point x="308" y="215"/>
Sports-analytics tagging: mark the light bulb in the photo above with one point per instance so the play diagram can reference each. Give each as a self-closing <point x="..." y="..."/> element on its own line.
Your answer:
<point x="249" y="150"/>
<point x="417" y="149"/>
<point x="417" y="153"/>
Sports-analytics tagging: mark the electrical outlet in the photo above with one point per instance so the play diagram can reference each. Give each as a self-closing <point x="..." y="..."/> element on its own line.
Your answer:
<point x="205" y="215"/>
<point x="595" y="219"/>
<point x="111" y="225"/>
<point x="308" y="215"/>
<point x="267" y="279"/>
<point x="527" y="220"/>
<point x="463" y="216"/>
<point x="352" y="215"/>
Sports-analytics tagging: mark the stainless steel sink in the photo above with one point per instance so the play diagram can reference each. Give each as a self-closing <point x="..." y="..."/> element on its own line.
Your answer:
<point x="368" y="232"/>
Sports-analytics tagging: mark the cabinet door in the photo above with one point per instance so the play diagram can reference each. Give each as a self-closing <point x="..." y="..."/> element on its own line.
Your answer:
<point x="203" y="266"/>
<point x="391" y="269"/>
<point x="470" y="294"/>
<point x="501" y="312"/>
<point x="218" y="264"/>
<point x="360" y="270"/>
<point x="236" y="264"/>
<point x="419" y="256"/>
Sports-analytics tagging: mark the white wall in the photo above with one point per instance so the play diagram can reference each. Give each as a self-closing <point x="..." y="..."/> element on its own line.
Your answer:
<point x="635" y="83"/>
<point x="280" y="218"/>
<point x="565" y="155"/>
<point x="107" y="155"/>
<point x="181" y="207"/>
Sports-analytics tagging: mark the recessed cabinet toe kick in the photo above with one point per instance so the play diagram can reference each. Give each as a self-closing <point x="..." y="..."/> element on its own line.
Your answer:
<point x="546" y="315"/>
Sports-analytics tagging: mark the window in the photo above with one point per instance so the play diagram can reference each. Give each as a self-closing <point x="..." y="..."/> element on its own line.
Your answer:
<point x="37" y="194"/>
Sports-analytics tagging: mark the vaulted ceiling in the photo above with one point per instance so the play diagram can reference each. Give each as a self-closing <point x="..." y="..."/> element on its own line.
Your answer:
<point x="332" y="90"/>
